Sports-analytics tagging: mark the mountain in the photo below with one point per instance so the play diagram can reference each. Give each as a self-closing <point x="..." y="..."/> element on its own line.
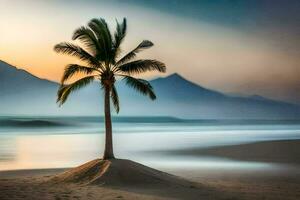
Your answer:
<point x="24" y="94"/>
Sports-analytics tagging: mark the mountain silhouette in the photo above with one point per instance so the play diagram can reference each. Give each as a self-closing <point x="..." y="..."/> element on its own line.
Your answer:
<point x="22" y="93"/>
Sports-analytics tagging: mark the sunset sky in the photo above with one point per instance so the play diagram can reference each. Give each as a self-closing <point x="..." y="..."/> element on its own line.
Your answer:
<point x="239" y="47"/>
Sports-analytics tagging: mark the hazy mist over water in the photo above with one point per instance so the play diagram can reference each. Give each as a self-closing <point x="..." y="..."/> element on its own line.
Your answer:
<point x="55" y="142"/>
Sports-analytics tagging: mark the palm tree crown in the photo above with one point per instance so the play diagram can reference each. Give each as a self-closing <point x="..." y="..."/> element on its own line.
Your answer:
<point x="101" y="53"/>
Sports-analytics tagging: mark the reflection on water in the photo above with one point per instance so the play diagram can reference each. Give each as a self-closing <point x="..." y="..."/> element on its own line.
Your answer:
<point x="7" y="148"/>
<point x="74" y="141"/>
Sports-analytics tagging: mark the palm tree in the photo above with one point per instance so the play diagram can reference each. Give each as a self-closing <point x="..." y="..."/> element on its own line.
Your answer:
<point x="101" y="54"/>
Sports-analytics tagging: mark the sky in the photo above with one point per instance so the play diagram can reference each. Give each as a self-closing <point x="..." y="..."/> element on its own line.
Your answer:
<point x="233" y="46"/>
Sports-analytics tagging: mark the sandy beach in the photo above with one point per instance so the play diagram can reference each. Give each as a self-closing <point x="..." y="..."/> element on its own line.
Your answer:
<point x="37" y="184"/>
<point x="281" y="151"/>
<point x="283" y="183"/>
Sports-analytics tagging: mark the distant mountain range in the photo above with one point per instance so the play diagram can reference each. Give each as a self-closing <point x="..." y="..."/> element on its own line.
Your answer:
<point x="22" y="93"/>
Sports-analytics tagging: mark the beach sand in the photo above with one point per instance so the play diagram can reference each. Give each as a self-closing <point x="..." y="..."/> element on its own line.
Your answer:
<point x="283" y="183"/>
<point x="38" y="184"/>
<point x="281" y="151"/>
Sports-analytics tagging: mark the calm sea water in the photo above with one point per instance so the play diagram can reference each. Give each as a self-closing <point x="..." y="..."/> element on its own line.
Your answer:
<point x="55" y="142"/>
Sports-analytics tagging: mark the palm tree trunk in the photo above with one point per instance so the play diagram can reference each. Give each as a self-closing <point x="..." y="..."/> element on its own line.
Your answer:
<point x="108" y="152"/>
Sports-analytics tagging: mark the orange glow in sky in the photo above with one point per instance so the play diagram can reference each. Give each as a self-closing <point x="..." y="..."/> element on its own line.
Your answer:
<point x="212" y="55"/>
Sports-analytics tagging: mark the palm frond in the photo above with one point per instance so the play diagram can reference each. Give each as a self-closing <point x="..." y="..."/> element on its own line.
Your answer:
<point x="143" y="45"/>
<point x="140" y="85"/>
<point x="65" y="90"/>
<point x="140" y="66"/>
<point x="119" y="35"/>
<point x="102" y="32"/>
<point x="87" y="37"/>
<point x="75" y="50"/>
<point x="115" y="99"/>
<point x="72" y="69"/>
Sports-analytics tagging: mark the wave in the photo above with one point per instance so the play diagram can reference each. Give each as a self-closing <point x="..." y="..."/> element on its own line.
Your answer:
<point x="30" y="123"/>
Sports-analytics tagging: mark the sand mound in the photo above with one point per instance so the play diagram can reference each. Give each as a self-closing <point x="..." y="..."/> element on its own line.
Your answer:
<point x="119" y="172"/>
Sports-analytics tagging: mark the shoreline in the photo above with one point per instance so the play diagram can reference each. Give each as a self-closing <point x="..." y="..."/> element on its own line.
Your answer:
<point x="276" y="151"/>
<point x="221" y="184"/>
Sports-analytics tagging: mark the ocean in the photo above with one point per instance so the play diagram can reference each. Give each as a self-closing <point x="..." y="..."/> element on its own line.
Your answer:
<point x="60" y="142"/>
